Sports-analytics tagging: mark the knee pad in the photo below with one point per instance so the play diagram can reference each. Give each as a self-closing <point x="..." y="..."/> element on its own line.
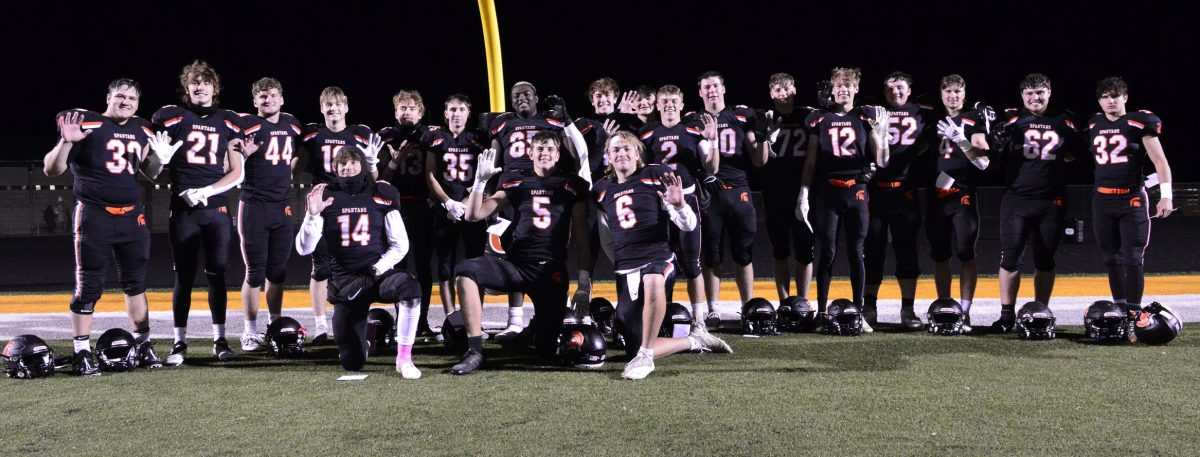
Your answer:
<point x="132" y="287"/>
<point x="276" y="275"/>
<point x="255" y="277"/>
<point x="1010" y="262"/>
<point x="964" y="255"/>
<point x="82" y="307"/>
<point x="907" y="272"/>
<point x="320" y="269"/>
<point x="1044" y="264"/>
<point x="690" y="268"/>
<point x="352" y="362"/>
<point x="743" y="256"/>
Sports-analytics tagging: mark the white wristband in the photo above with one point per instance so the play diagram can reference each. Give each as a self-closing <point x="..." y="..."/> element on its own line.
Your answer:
<point x="1165" y="191"/>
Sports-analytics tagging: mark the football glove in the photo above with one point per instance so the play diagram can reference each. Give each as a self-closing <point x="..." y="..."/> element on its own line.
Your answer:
<point x="160" y="144"/>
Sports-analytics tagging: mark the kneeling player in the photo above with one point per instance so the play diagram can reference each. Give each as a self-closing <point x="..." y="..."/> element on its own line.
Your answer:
<point x="367" y="239"/>
<point x="1121" y="142"/>
<point x="639" y="203"/>
<point x="549" y="212"/>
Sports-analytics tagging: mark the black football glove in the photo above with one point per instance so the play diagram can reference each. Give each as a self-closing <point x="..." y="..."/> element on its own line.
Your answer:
<point x="868" y="172"/>
<point x="558" y="109"/>
<point x="824" y="94"/>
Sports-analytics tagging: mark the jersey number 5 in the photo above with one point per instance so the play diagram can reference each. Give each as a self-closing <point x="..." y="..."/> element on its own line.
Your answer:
<point x="361" y="233"/>
<point x="541" y="211"/>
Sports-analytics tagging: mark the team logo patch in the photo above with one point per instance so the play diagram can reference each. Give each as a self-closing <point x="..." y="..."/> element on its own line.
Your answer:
<point x="965" y="200"/>
<point x="378" y="200"/>
<point x="142" y="220"/>
<point x="287" y="210"/>
<point x="1058" y="201"/>
<point x="1135" y="202"/>
<point x="860" y="195"/>
<point x="746" y="196"/>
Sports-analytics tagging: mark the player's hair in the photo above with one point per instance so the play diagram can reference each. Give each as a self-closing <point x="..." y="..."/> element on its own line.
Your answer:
<point x="849" y="75"/>
<point x="524" y="83"/>
<point x="199" y="70"/>
<point x="709" y="74"/>
<point x="334" y="93"/>
<point x="901" y="76"/>
<point x="1034" y="81"/>
<point x="1112" y="85"/>
<point x="953" y="80"/>
<point x="644" y="91"/>
<point x="629" y="139"/>
<point x="347" y="153"/>
<point x="265" y="84"/>
<point x="122" y="82"/>
<point x="409" y="96"/>
<point x="544" y="137"/>
<point x="669" y="89"/>
<point x="460" y="98"/>
<point x="604" y="84"/>
<point x="780" y="79"/>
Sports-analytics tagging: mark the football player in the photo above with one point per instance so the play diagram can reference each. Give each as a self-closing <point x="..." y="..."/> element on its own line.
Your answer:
<point x="103" y="151"/>
<point x="644" y="108"/>
<point x="689" y="149"/>
<point x="731" y="213"/>
<point x="952" y="208"/>
<point x="549" y="212"/>
<point x="264" y="217"/>
<point x="638" y="203"/>
<point x="892" y="203"/>
<point x="367" y="239"/>
<point x="408" y="142"/>
<point x="1121" y="141"/>
<point x="450" y="173"/>
<point x="786" y="138"/>
<point x="1040" y="141"/>
<point x="851" y="139"/>
<point x="321" y="142"/>
<point x="200" y="175"/>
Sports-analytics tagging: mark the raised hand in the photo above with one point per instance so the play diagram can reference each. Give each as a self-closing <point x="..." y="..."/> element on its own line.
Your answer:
<point x="880" y="124"/>
<point x="485" y="168"/>
<point x="628" y="103"/>
<point x="160" y="144"/>
<point x="674" y="194"/>
<point x="72" y="127"/>
<point x="774" y="125"/>
<point x="249" y="146"/>
<point x="611" y="126"/>
<point x="371" y="152"/>
<point x="316" y="204"/>
<point x="710" y="126"/>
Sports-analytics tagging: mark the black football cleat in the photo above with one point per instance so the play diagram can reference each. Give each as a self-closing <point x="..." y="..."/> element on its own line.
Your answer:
<point x="146" y="356"/>
<point x="320" y="340"/>
<point x="85" y="364"/>
<point x="221" y="350"/>
<point x="1005" y="323"/>
<point x="471" y="361"/>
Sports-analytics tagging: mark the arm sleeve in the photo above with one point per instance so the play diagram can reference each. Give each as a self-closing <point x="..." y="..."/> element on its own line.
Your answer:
<point x="310" y="234"/>
<point x="397" y="242"/>
<point x="684" y="218"/>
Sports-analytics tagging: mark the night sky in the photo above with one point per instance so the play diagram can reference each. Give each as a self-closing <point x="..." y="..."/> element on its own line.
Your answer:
<point x="59" y="55"/>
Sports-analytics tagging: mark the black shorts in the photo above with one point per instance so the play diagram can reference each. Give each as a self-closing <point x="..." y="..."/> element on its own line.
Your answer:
<point x="629" y="309"/>
<point x="894" y="212"/>
<point x="418" y="224"/>
<point x="687" y="245"/>
<point x="1024" y="219"/>
<point x="266" y="232"/>
<point x="100" y="233"/>
<point x="1121" y="223"/>
<point x="544" y="282"/>
<point x="360" y="288"/>
<point x="192" y="230"/>
<point x="789" y="236"/>
<point x="447" y="233"/>
<point x="320" y="261"/>
<point x="952" y="219"/>
<point x="731" y="214"/>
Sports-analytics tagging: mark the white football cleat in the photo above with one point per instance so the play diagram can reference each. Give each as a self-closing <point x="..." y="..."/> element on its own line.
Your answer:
<point x="251" y="342"/>
<point x="408" y="371"/>
<point x="509" y="334"/>
<point x="638" y="368"/>
<point x="866" y="327"/>
<point x="710" y="343"/>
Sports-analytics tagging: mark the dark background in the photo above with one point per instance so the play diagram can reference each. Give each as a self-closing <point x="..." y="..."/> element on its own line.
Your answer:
<point x="61" y="55"/>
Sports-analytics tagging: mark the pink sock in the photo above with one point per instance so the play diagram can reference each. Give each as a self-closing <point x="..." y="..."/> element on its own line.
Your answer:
<point x="404" y="353"/>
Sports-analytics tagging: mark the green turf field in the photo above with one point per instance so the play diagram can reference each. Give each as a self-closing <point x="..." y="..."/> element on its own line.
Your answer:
<point x="882" y="394"/>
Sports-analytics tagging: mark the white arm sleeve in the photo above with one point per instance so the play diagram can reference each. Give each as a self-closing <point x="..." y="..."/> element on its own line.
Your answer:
<point x="581" y="151"/>
<point x="310" y="234"/>
<point x="241" y="175"/>
<point x="684" y="218"/>
<point x="397" y="242"/>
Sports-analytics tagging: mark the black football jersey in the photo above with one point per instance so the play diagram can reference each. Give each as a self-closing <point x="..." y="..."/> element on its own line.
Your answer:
<point x="906" y="123"/>
<point x="844" y="142"/>
<point x="514" y="132"/>
<point x="455" y="158"/>
<point x="354" y="225"/>
<point x="409" y="177"/>
<point x="105" y="162"/>
<point x="1038" y="146"/>
<point x="790" y="149"/>
<point x="1118" y="149"/>
<point x="677" y="147"/>
<point x="732" y="125"/>
<point x="201" y="160"/>
<point x="543" y="213"/>
<point x="640" y="226"/>
<point x="952" y="160"/>
<point x="322" y="145"/>
<point x="269" y="170"/>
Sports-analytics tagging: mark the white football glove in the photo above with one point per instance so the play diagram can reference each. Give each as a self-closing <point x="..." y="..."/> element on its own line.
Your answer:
<point x="371" y="152"/>
<point x="583" y="293"/>
<point x="160" y="144"/>
<point x="953" y="131"/>
<point x="485" y="168"/>
<point x="454" y="209"/>
<point x="774" y="125"/>
<point x="199" y="196"/>
<point x="881" y="124"/>
<point x="802" y="205"/>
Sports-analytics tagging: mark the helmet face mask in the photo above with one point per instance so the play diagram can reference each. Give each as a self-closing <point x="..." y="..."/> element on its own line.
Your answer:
<point x="844" y="317"/>
<point x="116" y="351"/>
<point x="380" y="333"/>
<point x="1157" y="324"/>
<point x="582" y="347"/>
<point x="1035" y="321"/>
<point x="945" y="317"/>
<point x="795" y="315"/>
<point x="759" y="318"/>
<point x="677" y="323"/>
<point x="28" y="357"/>
<point x="285" y="338"/>
<point x="1106" y="322"/>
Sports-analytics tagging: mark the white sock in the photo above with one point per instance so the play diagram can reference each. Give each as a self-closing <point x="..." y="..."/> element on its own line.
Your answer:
<point x="966" y="306"/>
<point x="516" y="316"/>
<point x="646" y="352"/>
<point x="218" y="331"/>
<point x="141" y="337"/>
<point x="180" y="334"/>
<point x="322" y="324"/>
<point x="83" y="343"/>
<point x="251" y="327"/>
<point x="406" y="321"/>
<point x="712" y="307"/>
<point x="699" y="310"/>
